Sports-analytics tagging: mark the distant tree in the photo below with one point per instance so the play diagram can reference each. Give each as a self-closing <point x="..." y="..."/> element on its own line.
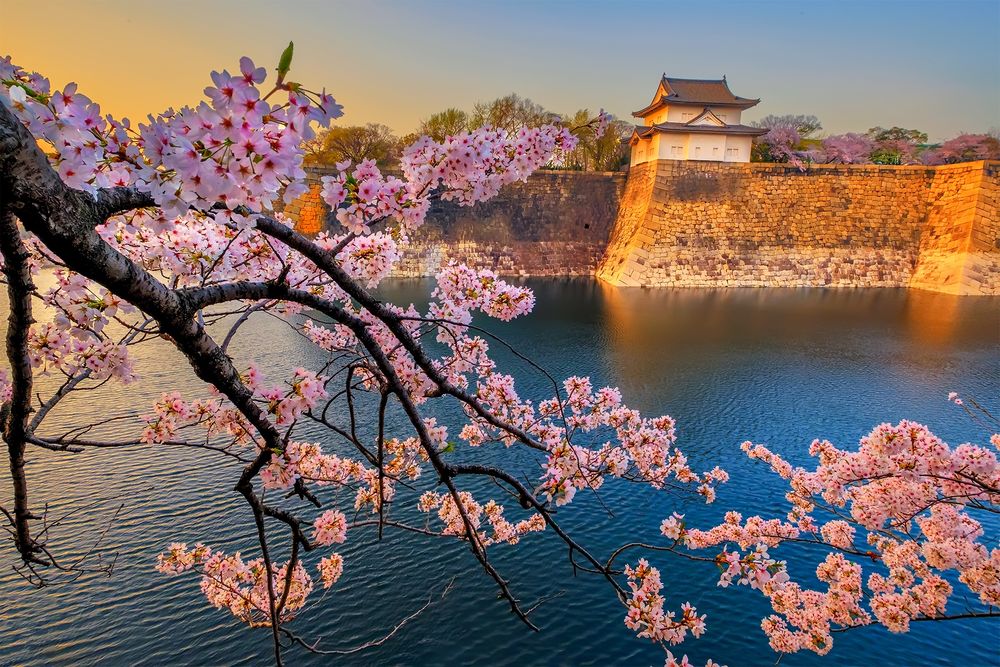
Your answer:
<point x="896" y="151"/>
<point x="760" y="151"/>
<point x="510" y="113"/>
<point x="780" y="144"/>
<point x="804" y="125"/>
<point x="881" y="134"/>
<point x="850" y="148"/>
<point x="608" y="152"/>
<point x="611" y="151"/>
<point x="443" y="124"/>
<point x="355" y="143"/>
<point x="896" y="145"/>
<point x="964" y="148"/>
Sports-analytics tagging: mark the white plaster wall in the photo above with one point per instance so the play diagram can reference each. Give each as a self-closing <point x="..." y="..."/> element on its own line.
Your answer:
<point x="743" y="144"/>
<point x="644" y="150"/>
<point x="667" y="144"/>
<point x="682" y="114"/>
<point x="694" y="146"/>
<point x="729" y="115"/>
<point x="657" y="116"/>
<point x="707" y="147"/>
<point x="638" y="154"/>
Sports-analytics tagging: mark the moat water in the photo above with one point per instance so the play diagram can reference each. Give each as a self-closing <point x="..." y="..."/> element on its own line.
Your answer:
<point x="780" y="367"/>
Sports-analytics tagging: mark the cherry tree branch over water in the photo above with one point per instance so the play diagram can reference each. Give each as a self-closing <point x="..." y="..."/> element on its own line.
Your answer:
<point x="166" y="231"/>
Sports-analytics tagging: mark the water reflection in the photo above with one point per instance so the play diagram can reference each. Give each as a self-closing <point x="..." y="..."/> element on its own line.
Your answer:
<point x="933" y="318"/>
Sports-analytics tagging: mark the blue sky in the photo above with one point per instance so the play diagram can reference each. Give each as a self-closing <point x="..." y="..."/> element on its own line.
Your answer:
<point x="934" y="66"/>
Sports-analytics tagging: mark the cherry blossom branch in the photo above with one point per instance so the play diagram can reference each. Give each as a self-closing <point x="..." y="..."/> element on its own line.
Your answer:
<point x="314" y="647"/>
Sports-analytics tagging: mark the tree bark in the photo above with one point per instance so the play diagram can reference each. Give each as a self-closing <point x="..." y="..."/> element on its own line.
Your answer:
<point x="14" y="415"/>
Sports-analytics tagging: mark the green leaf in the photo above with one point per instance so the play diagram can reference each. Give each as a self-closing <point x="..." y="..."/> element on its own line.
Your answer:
<point x="285" y="62"/>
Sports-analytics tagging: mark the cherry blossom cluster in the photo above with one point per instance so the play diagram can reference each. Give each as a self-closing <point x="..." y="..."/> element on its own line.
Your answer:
<point x="236" y="148"/>
<point x="642" y="448"/>
<point x="903" y="503"/>
<point x="369" y="259"/>
<point x="646" y="615"/>
<point x="330" y="527"/>
<point x="468" y="168"/>
<point x="74" y="340"/>
<point x="229" y="582"/>
<point x="193" y="249"/>
<point x="51" y="348"/>
<point x="178" y="558"/>
<point x="364" y="196"/>
<point x="82" y="309"/>
<point x="172" y="413"/>
<point x="672" y="661"/>
<point x="286" y="403"/>
<point x="454" y="524"/>
<point x="803" y="619"/>
<point x="218" y="418"/>
<point x="330" y="569"/>
<point x="461" y="290"/>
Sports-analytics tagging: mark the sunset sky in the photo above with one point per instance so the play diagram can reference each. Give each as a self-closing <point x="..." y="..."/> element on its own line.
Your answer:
<point x="933" y="66"/>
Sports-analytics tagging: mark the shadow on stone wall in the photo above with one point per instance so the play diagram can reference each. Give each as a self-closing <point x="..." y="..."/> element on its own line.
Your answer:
<point x="555" y="224"/>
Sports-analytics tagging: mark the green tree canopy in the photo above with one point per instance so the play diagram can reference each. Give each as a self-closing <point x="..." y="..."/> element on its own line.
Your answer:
<point x="607" y="153"/>
<point x="897" y="134"/>
<point x="355" y="143"/>
<point x="444" y="123"/>
<point x="511" y="113"/>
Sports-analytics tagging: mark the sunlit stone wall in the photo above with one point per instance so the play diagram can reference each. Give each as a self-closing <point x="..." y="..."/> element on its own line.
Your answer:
<point x="960" y="243"/>
<point x="710" y="224"/>
<point x="555" y="224"/>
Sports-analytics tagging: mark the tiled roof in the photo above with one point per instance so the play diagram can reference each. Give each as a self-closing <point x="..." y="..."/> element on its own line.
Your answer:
<point x="696" y="91"/>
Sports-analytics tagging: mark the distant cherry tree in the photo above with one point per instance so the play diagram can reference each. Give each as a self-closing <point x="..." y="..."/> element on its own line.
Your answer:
<point x="781" y="143"/>
<point x="847" y="148"/>
<point x="964" y="148"/>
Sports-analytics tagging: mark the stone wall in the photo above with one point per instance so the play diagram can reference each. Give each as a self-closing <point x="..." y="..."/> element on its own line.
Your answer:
<point x="718" y="224"/>
<point x="555" y="224"/>
<point x="960" y="243"/>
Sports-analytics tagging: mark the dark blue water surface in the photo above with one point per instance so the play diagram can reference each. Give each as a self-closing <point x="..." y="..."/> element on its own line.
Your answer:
<point x="780" y="367"/>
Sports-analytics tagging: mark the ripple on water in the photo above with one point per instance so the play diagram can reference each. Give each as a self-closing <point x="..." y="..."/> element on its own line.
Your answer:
<point x="775" y="366"/>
